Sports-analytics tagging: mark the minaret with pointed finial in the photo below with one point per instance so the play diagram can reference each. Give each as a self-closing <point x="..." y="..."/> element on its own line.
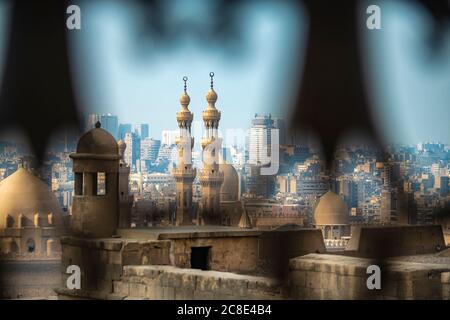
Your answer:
<point x="184" y="173"/>
<point x="210" y="177"/>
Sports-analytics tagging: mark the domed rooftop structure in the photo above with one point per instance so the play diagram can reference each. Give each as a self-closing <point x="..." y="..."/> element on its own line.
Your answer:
<point x="331" y="210"/>
<point x="97" y="141"/>
<point x="22" y="194"/>
<point x="229" y="191"/>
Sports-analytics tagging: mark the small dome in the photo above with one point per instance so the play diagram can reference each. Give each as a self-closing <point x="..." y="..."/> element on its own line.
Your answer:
<point x="331" y="210"/>
<point x="229" y="191"/>
<point x="97" y="141"/>
<point x="211" y="97"/>
<point x="22" y="194"/>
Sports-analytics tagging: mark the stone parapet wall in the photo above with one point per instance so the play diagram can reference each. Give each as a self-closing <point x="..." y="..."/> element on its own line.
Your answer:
<point x="102" y="260"/>
<point x="445" y="280"/>
<point x="339" y="277"/>
<point x="228" y="254"/>
<point x="391" y="241"/>
<point x="168" y="283"/>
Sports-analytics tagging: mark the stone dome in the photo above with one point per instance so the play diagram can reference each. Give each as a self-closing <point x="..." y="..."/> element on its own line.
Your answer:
<point x="331" y="210"/>
<point x="22" y="195"/>
<point x="229" y="191"/>
<point x="97" y="141"/>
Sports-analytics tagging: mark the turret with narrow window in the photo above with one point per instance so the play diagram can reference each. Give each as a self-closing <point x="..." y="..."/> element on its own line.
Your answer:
<point x="96" y="167"/>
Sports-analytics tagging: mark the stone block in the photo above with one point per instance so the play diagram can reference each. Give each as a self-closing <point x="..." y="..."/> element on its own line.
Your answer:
<point x="151" y="292"/>
<point x="297" y="278"/>
<point x="313" y="279"/>
<point x="329" y="281"/>
<point x="184" y="294"/>
<point x="427" y="289"/>
<point x="207" y="283"/>
<point x="168" y="293"/>
<point x="445" y="277"/>
<point x="352" y="283"/>
<point x="138" y="290"/>
<point x="203" y="295"/>
<point x="121" y="287"/>
<point x="188" y="281"/>
<point x="237" y="287"/>
<point x="114" y="257"/>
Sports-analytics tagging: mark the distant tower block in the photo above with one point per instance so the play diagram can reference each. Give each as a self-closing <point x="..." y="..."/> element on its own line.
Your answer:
<point x="96" y="166"/>
<point x="125" y="199"/>
<point x="184" y="173"/>
<point x="211" y="177"/>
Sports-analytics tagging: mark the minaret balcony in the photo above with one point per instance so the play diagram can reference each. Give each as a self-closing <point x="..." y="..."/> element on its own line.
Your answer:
<point x="211" y="115"/>
<point x="184" y="173"/>
<point x="207" y="141"/>
<point x="180" y="141"/>
<point x="211" y="176"/>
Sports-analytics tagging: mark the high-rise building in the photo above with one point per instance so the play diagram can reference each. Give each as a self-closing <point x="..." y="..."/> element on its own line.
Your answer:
<point x="257" y="185"/>
<point x="133" y="150"/>
<point x="110" y="123"/>
<point x="184" y="173"/>
<point x="150" y="149"/>
<point x="397" y="207"/>
<point x="443" y="185"/>
<point x="315" y="187"/>
<point x="211" y="177"/>
<point x="260" y="140"/>
<point x="124" y="128"/>
<point x="141" y="130"/>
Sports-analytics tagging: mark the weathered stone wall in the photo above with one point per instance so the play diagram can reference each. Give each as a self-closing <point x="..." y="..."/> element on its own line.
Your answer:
<point x="101" y="261"/>
<point x="390" y="241"/>
<point x="168" y="283"/>
<point x="339" y="277"/>
<point x="228" y="254"/>
<point x="29" y="279"/>
<point x="277" y="247"/>
<point x="445" y="280"/>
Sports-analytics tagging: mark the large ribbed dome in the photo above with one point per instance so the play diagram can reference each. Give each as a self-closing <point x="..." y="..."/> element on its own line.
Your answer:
<point x="97" y="141"/>
<point x="229" y="191"/>
<point x="22" y="193"/>
<point x="331" y="210"/>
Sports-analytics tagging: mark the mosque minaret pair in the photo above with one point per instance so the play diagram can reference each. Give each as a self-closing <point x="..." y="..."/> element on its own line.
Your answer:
<point x="210" y="177"/>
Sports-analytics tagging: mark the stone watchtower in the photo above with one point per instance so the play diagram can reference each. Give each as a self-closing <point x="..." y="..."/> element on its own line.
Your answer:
<point x="211" y="177"/>
<point x="96" y="166"/>
<point x="184" y="173"/>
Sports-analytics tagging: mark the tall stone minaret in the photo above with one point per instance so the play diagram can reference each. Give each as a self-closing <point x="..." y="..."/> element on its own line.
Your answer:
<point x="184" y="173"/>
<point x="210" y="177"/>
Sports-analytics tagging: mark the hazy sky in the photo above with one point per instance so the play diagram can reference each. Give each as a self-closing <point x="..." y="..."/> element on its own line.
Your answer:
<point x="142" y="84"/>
<point x="145" y="87"/>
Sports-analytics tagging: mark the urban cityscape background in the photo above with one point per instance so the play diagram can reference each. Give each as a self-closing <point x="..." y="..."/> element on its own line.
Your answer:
<point x="414" y="179"/>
